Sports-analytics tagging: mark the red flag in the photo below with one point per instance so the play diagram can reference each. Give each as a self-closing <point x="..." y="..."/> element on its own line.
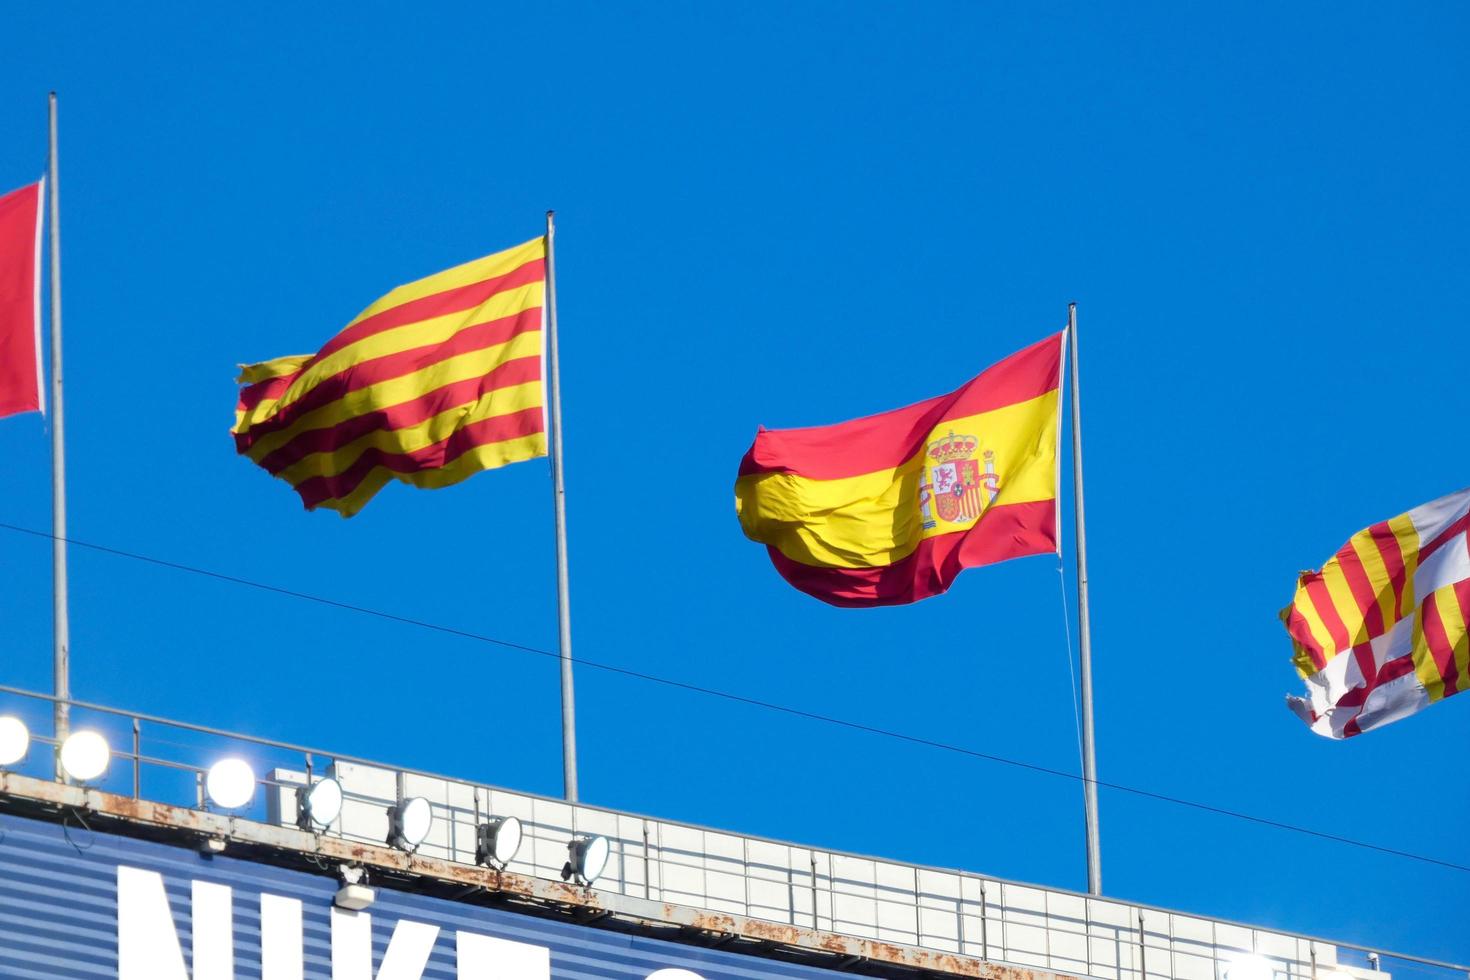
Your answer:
<point x="20" y="300"/>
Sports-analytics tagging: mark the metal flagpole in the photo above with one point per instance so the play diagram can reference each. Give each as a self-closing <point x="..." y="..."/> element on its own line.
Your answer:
<point x="1089" y="765"/>
<point x="559" y="493"/>
<point x="62" y="632"/>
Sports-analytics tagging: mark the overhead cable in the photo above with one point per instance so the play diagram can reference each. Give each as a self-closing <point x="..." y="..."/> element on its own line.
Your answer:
<point x="743" y="699"/>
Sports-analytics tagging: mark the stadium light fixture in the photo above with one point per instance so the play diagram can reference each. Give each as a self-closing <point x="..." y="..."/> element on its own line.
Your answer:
<point x="587" y="858"/>
<point x="85" y="756"/>
<point x="318" y="805"/>
<point x="409" y="822"/>
<point x="15" y="740"/>
<point x="354" y="895"/>
<point x="1250" y="967"/>
<point x="230" y="783"/>
<point x="497" y="840"/>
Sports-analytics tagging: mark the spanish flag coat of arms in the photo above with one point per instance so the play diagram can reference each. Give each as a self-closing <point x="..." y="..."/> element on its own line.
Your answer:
<point x="888" y="509"/>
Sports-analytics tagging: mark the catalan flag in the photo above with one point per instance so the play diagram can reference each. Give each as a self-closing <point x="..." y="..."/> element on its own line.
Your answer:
<point x="436" y="381"/>
<point x="888" y="509"/>
<point x="1380" y="631"/>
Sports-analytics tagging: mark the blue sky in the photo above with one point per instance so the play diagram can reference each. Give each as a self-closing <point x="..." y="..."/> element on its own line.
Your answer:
<point x="783" y="215"/>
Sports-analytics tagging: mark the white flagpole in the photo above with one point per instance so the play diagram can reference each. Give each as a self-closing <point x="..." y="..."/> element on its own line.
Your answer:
<point x="1089" y="764"/>
<point x="559" y="493"/>
<point x="61" y="627"/>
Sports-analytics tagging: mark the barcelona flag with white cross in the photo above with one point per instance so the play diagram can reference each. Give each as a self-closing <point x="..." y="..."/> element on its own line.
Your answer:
<point x="1380" y="632"/>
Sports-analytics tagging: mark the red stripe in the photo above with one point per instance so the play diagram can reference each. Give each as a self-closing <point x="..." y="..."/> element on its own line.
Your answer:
<point x="316" y="489"/>
<point x="1362" y="589"/>
<point x="881" y="442"/>
<point x="1358" y="696"/>
<point x="1297" y="628"/>
<point x="1367" y="665"/>
<point x="439" y="304"/>
<point x="1441" y="649"/>
<point x="1393" y="562"/>
<point x="252" y="395"/>
<point x="1354" y="697"/>
<point x="1004" y="531"/>
<point x="401" y="416"/>
<point x="1444" y="536"/>
<point x="1322" y="602"/>
<point x="364" y="373"/>
<point x="1454" y="682"/>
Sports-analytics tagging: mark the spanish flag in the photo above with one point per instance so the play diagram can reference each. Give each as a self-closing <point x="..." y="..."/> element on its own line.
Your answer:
<point x="888" y="509"/>
<point x="436" y="381"/>
<point x="1380" y="631"/>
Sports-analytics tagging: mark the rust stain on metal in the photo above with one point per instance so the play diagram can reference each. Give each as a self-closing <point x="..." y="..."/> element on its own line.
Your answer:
<point x="565" y="894"/>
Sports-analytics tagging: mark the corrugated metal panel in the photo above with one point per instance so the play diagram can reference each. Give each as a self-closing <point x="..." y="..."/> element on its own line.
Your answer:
<point x="58" y="915"/>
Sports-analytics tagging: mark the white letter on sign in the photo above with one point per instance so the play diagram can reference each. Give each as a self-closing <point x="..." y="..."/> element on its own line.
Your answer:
<point x="487" y="958"/>
<point x="147" y="943"/>
<point x="214" y="932"/>
<point x="147" y="946"/>
<point x="352" y="948"/>
<point x="281" y="956"/>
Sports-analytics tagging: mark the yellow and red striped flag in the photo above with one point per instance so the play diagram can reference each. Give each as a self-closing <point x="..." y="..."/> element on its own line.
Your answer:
<point x="1380" y="631"/>
<point x="436" y="381"/>
<point x="888" y="509"/>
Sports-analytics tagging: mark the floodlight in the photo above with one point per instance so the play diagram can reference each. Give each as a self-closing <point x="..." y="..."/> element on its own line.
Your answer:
<point x="318" y="805"/>
<point x="1250" y="967"/>
<point x="354" y="898"/>
<point x="85" y="755"/>
<point x="15" y="740"/>
<point x="497" y="840"/>
<point x="587" y="858"/>
<point x="408" y="822"/>
<point x="230" y="783"/>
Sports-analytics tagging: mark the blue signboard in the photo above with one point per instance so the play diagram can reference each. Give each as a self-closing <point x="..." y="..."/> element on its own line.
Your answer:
<point x="75" y="903"/>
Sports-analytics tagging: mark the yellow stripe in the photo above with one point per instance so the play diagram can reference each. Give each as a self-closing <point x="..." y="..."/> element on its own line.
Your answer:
<point x="396" y="391"/>
<point x="1372" y="561"/>
<point x="857" y="522"/>
<point x="1301" y="658"/>
<point x="1455" y="628"/>
<point x="476" y="270"/>
<point x="1454" y="631"/>
<point x="255" y="373"/>
<point x="424" y="333"/>
<point x="1408" y="539"/>
<point x="501" y="401"/>
<point x="1424" y="666"/>
<point x="486" y="457"/>
<point x="1344" y="602"/>
<point x="873" y="520"/>
<point x="1315" y="625"/>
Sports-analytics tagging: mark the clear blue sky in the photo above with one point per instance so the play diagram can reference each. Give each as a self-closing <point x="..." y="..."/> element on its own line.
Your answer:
<point x="783" y="214"/>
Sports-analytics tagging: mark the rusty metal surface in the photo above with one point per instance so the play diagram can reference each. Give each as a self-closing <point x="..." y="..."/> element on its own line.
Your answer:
<point x="188" y="827"/>
<point x="931" y="914"/>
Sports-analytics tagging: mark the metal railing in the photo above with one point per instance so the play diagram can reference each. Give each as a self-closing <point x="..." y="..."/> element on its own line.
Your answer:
<point x="994" y="919"/>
